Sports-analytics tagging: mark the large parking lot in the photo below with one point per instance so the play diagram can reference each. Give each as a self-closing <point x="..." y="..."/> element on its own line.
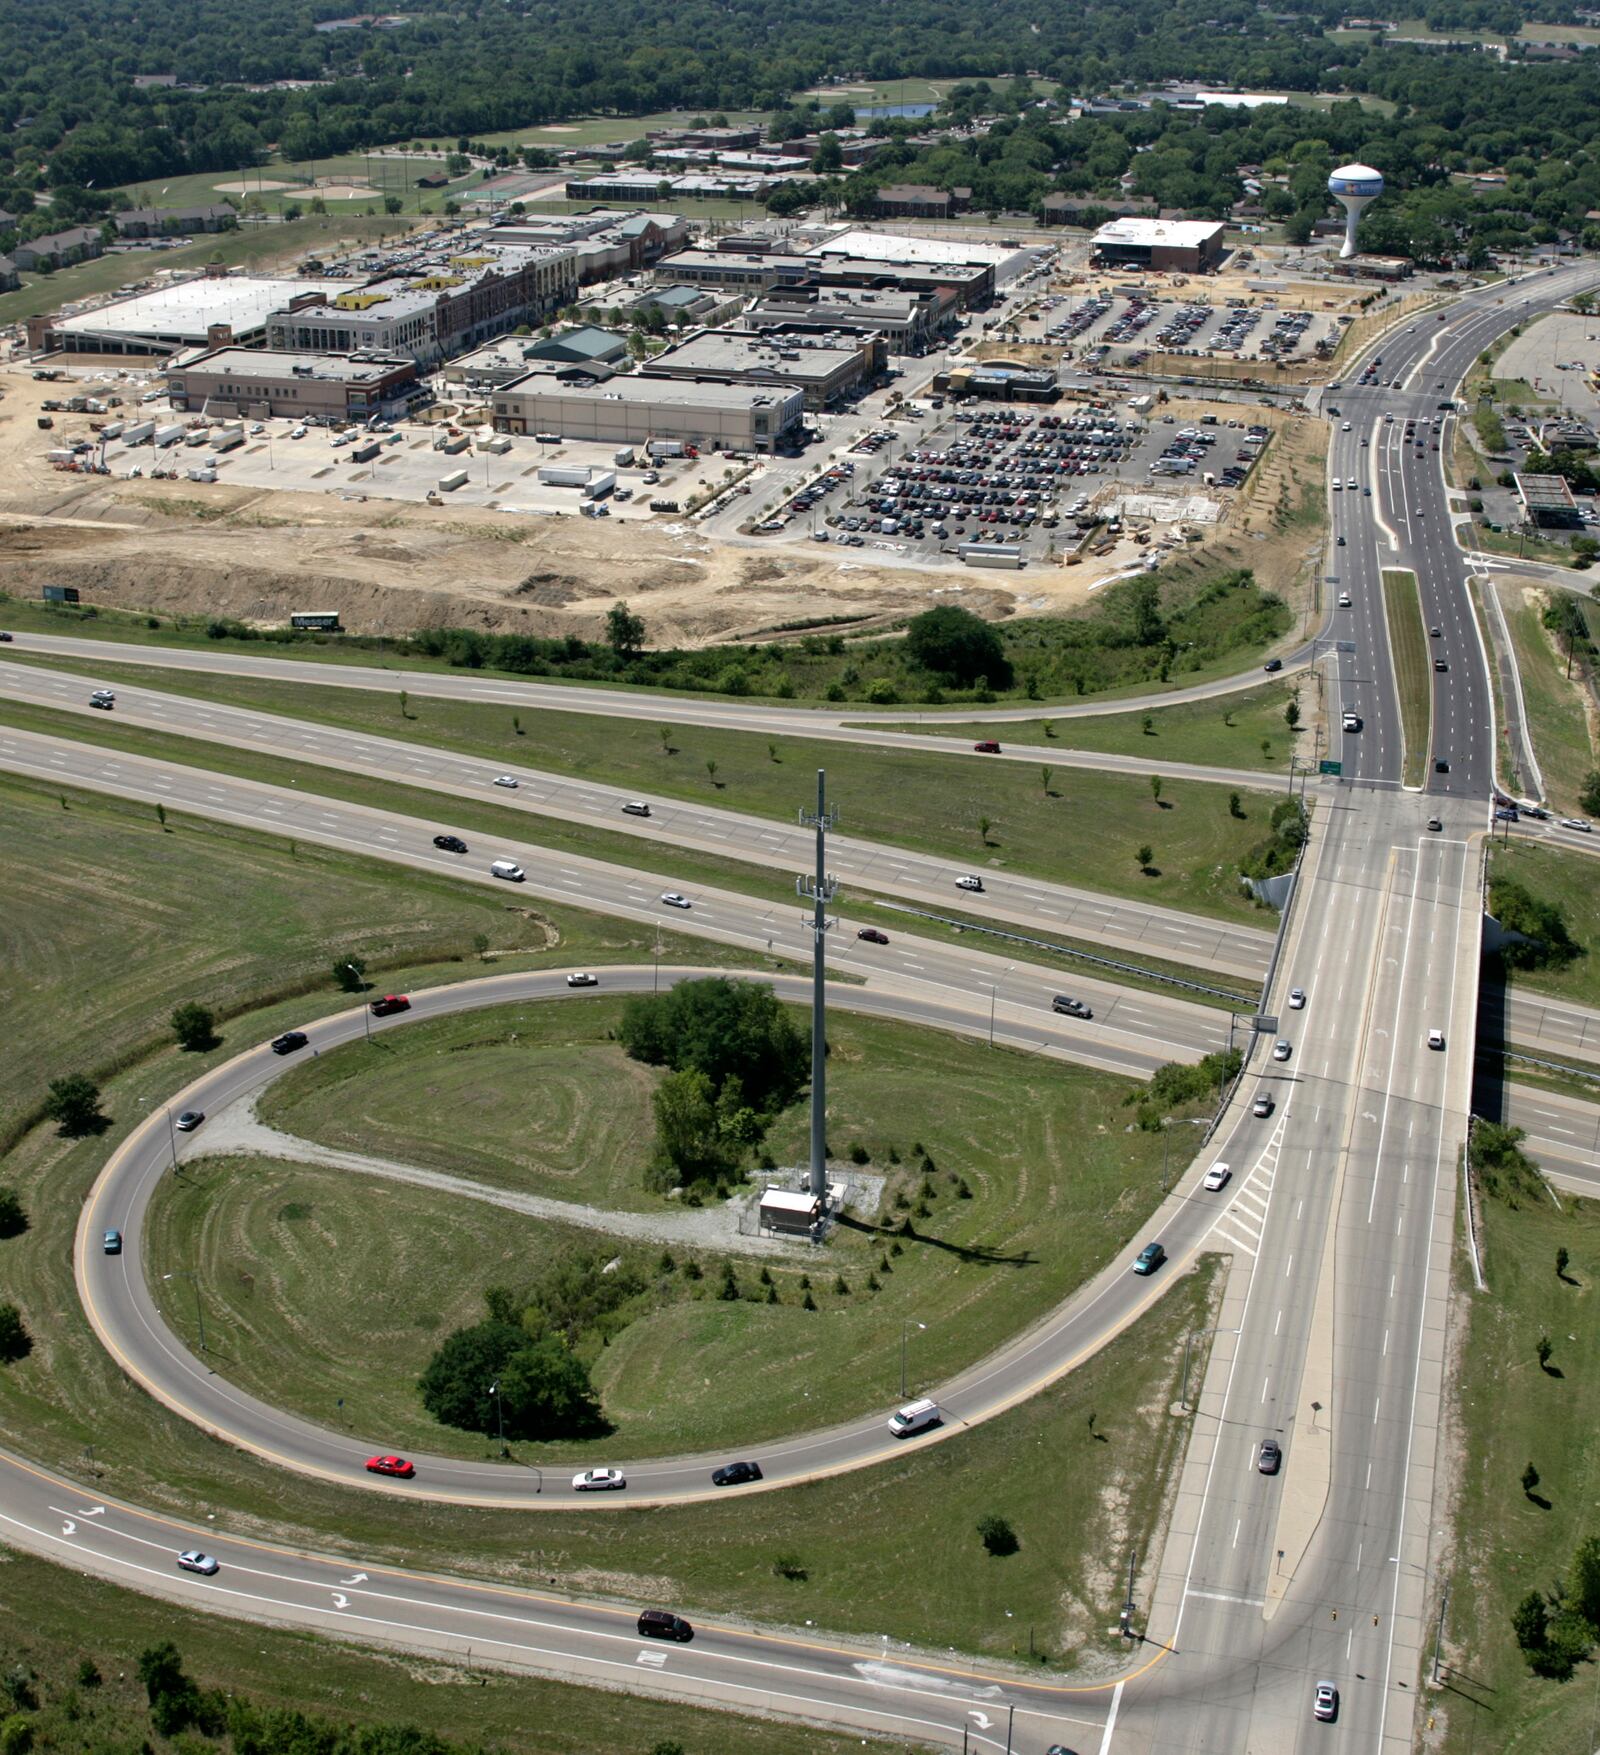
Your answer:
<point x="1009" y="474"/>
<point x="1122" y="331"/>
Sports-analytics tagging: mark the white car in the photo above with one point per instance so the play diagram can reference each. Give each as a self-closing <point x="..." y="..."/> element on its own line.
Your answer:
<point x="506" y="780"/>
<point x="1352" y="483"/>
<point x="674" y="900"/>
<point x="598" y="1480"/>
<point x="969" y="882"/>
<point x="256" y="427"/>
<point x="1436" y="1038"/>
<point x="1217" y="1177"/>
<point x="1281" y="1049"/>
<point x="297" y="432"/>
<point x="1575" y="823"/>
<point x="1297" y="999"/>
<point x="192" y="1560"/>
<point x="583" y="981"/>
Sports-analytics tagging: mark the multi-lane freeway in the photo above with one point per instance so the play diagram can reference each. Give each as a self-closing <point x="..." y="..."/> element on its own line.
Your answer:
<point x="1339" y="1220"/>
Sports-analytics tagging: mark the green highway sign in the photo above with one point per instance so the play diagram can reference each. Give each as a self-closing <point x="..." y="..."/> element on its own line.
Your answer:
<point x="1327" y="767"/>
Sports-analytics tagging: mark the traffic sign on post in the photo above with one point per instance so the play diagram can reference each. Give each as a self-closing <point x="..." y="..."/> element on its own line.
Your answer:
<point x="1327" y="767"/>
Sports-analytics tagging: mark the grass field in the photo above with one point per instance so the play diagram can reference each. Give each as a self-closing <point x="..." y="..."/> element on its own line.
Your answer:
<point x="258" y="248"/>
<point x="284" y="1251"/>
<point x="1228" y="732"/>
<point x="1555" y="706"/>
<point x="1511" y="1413"/>
<point x="538" y="1098"/>
<point x="1572" y="882"/>
<point x="51" y="1618"/>
<point x="225" y="917"/>
<point x="907" y="798"/>
<point x="1413" y="668"/>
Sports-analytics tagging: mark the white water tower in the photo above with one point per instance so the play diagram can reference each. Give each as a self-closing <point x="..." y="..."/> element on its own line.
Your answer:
<point x="1354" y="187"/>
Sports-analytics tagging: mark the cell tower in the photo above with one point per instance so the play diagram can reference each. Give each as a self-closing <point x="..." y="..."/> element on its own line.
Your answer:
<point x="819" y="890"/>
<point x="1355" y="188"/>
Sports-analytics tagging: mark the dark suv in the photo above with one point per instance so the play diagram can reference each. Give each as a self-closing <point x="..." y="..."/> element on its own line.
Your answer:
<point x="289" y="1041"/>
<point x="663" y="1624"/>
<point x="450" y="843"/>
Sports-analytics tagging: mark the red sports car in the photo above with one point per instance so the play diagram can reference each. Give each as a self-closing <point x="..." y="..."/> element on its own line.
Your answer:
<point x="391" y="1465"/>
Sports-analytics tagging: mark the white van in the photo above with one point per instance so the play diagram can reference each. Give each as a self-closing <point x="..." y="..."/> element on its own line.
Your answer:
<point x="509" y="870"/>
<point x="914" y="1417"/>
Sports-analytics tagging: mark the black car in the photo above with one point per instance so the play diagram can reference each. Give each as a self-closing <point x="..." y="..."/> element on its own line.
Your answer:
<point x="735" y="1474"/>
<point x="663" y="1624"/>
<point x="289" y="1041"/>
<point x="1273" y="664"/>
<point x="1073" y="1008"/>
<point x="450" y="843"/>
<point x="1441" y="767"/>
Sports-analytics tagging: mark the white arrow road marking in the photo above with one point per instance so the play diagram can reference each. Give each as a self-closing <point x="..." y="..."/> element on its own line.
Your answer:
<point x="340" y="1602"/>
<point x="360" y="1578"/>
<point x="94" y="1511"/>
<point x="984" y="1720"/>
<point x="68" y="1527"/>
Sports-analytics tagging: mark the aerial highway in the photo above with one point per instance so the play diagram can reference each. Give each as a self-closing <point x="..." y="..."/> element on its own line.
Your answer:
<point x="1182" y="937"/>
<point x="1339" y="1218"/>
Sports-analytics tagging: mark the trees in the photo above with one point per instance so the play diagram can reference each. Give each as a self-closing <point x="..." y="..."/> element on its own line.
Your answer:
<point x="543" y="1388"/>
<point x="958" y="646"/>
<point x="350" y="973"/>
<point x="724" y="1029"/>
<point x="997" y="1535"/>
<point x="13" y="1215"/>
<point x="1544" y="940"/>
<point x="194" y="1026"/>
<point x="73" y="1103"/>
<point x="625" y="631"/>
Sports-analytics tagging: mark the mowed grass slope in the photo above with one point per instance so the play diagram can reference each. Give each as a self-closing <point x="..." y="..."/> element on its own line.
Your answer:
<point x="1555" y="705"/>
<point x="52" y="1617"/>
<point x="1511" y="1413"/>
<point x="1572" y="882"/>
<point x="1246" y="730"/>
<point x="1084" y="832"/>
<point x="108" y="921"/>
<point x="290" y="1255"/>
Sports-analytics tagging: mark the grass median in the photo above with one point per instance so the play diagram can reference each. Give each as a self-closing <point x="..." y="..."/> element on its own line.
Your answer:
<point x="1413" y="668"/>
<point x="1084" y="828"/>
<point x="1002" y="1227"/>
<point x="1246" y="730"/>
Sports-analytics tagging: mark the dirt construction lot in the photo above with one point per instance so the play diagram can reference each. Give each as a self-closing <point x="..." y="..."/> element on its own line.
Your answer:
<point x="258" y="554"/>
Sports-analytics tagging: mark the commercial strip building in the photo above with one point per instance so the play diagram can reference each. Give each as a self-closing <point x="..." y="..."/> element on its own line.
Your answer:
<point x="907" y="322"/>
<point x="446" y="301"/>
<point x="213" y="310"/>
<point x="823" y="368"/>
<point x="634" y="410"/>
<point x="605" y="242"/>
<point x="258" y="382"/>
<point x="748" y="270"/>
<point x="711" y="184"/>
<point x="921" y="201"/>
<point x="1182" y="246"/>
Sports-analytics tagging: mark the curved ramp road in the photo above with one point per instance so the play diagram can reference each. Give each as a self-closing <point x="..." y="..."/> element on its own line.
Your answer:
<point x="1012" y="897"/>
<point x="120" y="1305"/>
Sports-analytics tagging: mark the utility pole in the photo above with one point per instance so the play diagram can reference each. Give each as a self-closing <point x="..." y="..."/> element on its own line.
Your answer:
<point x="1127" y="1607"/>
<point x="820" y="888"/>
<point x="1438" y="1638"/>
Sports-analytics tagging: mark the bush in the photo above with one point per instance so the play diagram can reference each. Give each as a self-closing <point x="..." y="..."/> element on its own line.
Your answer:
<point x="544" y="1389"/>
<point x="15" y="1341"/>
<point x="195" y="1027"/>
<point x="956" y="645"/>
<point x="997" y="1535"/>
<point x="724" y="1030"/>
<point x="349" y="974"/>
<point x="1502" y="1167"/>
<point x="1547" y="944"/>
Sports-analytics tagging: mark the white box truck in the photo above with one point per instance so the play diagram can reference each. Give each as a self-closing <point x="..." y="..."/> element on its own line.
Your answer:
<point x="453" y="447"/>
<point x="659" y="448"/>
<point x="449" y="483"/>
<point x="598" y="486"/>
<point x="138" y="432"/>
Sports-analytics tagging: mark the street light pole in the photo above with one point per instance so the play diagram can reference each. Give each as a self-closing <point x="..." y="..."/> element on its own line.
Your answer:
<point x="499" y="1415"/>
<point x="366" y="1014"/>
<point x="199" y="1308"/>
<point x="905" y="1328"/>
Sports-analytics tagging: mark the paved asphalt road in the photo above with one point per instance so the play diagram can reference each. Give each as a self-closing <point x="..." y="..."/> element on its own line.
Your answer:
<point x="1342" y="1200"/>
